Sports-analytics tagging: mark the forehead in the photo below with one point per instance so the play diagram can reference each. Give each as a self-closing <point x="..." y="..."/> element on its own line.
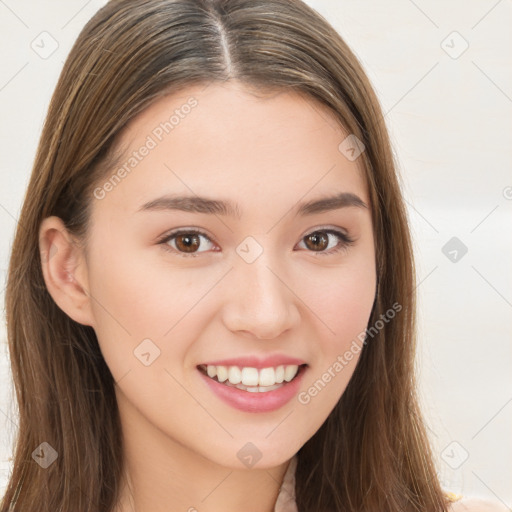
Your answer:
<point x="220" y="140"/>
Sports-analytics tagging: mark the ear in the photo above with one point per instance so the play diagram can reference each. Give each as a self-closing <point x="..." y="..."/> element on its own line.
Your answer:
<point x="65" y="270"/>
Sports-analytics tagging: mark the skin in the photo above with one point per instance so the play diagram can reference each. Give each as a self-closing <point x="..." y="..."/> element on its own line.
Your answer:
<point x="267" y="155"/>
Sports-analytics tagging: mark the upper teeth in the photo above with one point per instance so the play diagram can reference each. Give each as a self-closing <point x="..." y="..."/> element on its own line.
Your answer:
<point x="252" y="376"/>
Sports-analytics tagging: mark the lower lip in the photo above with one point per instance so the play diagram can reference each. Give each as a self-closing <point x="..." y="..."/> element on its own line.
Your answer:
<point x="256" y="402"/>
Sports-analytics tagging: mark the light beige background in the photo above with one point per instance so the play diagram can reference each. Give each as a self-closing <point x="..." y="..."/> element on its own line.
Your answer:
<point x="448" y="109"/>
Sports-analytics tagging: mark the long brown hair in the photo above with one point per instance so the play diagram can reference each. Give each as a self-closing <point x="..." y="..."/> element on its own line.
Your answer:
<point x="372" y="453"/>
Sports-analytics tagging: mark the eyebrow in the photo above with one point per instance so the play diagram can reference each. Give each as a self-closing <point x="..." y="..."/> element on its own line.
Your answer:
<point x="197" y="204"/>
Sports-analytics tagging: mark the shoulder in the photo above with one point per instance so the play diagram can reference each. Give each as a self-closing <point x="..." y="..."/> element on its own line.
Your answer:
<point x="477" y="505"/>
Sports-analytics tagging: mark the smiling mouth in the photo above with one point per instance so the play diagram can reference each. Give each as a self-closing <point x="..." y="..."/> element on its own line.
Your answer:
<point x="253" y="388"/>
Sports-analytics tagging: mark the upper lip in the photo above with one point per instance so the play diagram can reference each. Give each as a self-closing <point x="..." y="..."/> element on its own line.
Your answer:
<point x="257" y="361"/>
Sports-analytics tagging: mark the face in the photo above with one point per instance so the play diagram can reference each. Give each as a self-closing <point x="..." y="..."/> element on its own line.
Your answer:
<point x="237" y="269"/>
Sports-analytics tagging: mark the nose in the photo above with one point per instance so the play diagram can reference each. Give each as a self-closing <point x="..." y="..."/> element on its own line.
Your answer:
<point x="260" y="303"/>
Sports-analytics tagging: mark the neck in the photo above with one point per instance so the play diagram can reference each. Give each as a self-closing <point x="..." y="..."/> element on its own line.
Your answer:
<point x="161" y="474"/>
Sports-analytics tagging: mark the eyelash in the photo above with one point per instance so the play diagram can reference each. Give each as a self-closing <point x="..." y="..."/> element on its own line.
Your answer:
<point x="346" y="241"/>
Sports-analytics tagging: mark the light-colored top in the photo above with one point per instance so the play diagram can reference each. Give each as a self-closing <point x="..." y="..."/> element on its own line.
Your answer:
<point x="286" y="498"/>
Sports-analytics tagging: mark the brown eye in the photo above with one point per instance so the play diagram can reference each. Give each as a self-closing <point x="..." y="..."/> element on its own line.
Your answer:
<point x="317" y="241"/>
<point x="187" y="243"/>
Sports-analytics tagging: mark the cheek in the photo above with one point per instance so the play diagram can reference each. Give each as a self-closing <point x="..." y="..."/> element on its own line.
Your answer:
<point x="134" y="302"/>
<point x="351" y="303"/>
<point x="342" y="301"/>
<point x="343" y="305"/>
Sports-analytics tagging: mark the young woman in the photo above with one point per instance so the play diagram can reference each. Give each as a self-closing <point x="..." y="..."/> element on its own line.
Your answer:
<point x="210" y="300"/>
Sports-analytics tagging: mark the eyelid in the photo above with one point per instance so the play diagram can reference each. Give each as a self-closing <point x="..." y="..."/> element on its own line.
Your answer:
<point x="328" y="229"/>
